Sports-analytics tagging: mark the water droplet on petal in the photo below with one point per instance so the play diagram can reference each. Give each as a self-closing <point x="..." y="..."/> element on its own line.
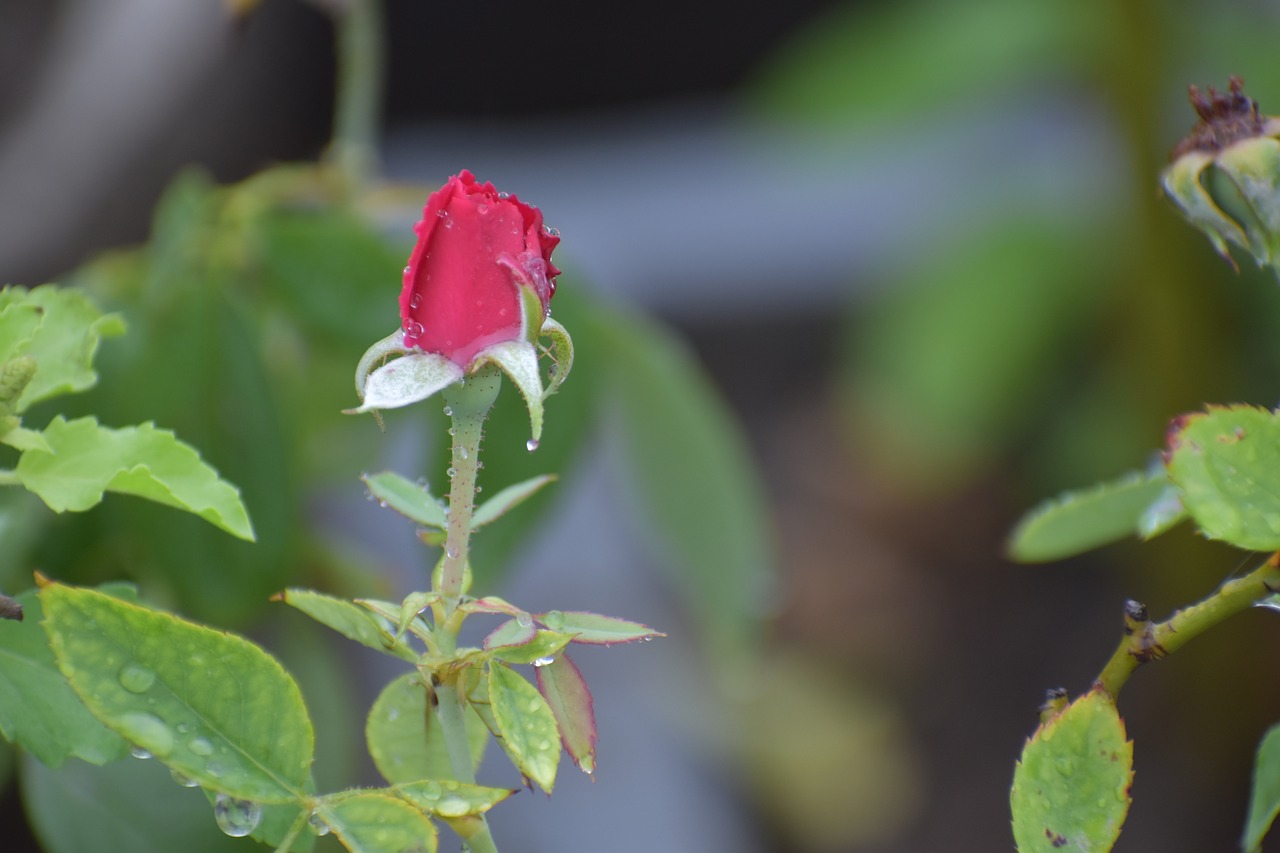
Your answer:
<point x="504" y="195"/>
<point x="482" y="209"/>
<point x="136" y="679"/>
<point x="523" y="619"/>
<point x="184" y="781"/>
<point x="531" y="445"/>
<point x="415" y="300"/>
<point x="406" y="270"/>
<point x="236" y="818"/>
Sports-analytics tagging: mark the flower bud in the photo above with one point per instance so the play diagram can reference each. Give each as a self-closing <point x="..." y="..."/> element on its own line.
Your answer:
<point x="1225" y="176"/>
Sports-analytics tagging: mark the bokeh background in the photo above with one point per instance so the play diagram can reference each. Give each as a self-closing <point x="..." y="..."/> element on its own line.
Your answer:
<point x="853" y="284"/>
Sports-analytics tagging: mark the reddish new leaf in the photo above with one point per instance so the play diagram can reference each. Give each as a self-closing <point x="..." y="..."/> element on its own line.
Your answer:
<point x="565" y="690"/>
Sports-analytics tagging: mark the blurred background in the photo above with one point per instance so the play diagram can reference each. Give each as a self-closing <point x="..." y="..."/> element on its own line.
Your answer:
<point x="853" y="284"/>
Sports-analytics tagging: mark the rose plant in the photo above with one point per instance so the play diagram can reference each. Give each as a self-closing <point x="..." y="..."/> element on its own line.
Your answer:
<point x="1220" y="470"/>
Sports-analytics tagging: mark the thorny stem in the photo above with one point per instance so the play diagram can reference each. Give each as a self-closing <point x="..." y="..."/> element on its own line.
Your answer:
<point x="468" y="404"/>
<point x="1144" y="640"/>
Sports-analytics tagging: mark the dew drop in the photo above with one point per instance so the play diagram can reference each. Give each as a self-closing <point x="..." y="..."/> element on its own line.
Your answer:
<point x="316" y="824"/>
<point x="452" y="807"/>
<point x="452" y="472"/>
<point x="479" y="489"/>
<point x="462" y="453"/>
<point x="214" y="769"/>
<point x="551" y="232"/>
<point x="430" y="789"/>
<point x="453" y="552"/>
<point x="534" y="706"/>
<point x="482" y="209"/>
<point x="136" y="679"/>
<point x="393" y="715"/>
<point x="236" y="818"/>
<point x="406" y="271"/>
<point x="184" y="781"/>
<point x="448" y="412"/>
<point x="201" y="747"/>
<point x="531" y="445"/>
<point x="523" y="619"/>
<point x="139" y="752"/>
<point x="504" y="195"/>
<point x="415" y="300"/>
<point x="146" y="731"/>
<point x="1066" y="766"/>
<point x="547" y="661"/>
<point x="544" y="744"/>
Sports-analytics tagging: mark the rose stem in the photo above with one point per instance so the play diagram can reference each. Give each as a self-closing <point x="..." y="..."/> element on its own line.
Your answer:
<point x="468" y="405"/>
<point x="1145" y="641"/>
<point x="360" y="57"/>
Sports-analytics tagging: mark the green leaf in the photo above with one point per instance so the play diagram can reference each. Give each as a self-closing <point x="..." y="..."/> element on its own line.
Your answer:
<point x="1264" y="804"/>
<point x="560" y="352"/>
<point x="1077" y="521"/>
<point x="210" y="705"/>
<point x="38" y="708"/>
<point x="1226" y="461"/>
<point x="1071" y="788"/>
<point x="565" y="690"/>
<point x="21" y="438"/>
<point x="404" y="741"/>
<point x="692" y="467"/>
<point x="349" y="619"/>
<point x="543" y="646"/>
<point x="510" y="497"/>
<point x="596" y="630"/>
<point x="89" y="459"/>
<point x="127" y="805"/>
<point x="372" y="822"/>
<point x="63" y="342"/>
<point x="528" y="727"/>
<point x="511" y="633"/>
<point x="409" y="499"/>
<point x="448" y="798"/>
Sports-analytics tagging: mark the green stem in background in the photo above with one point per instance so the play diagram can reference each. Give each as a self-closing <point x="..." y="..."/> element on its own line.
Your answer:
<point x="1145" y="640"/>
<point x="360" y="55"/>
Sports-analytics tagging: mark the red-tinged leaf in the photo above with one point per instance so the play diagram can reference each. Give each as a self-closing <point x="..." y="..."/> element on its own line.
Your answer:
<point x="490" y="604"/>
<point x="596" y="630"/>
<point x="565" y="690"/>
<point x="511" y="633"/>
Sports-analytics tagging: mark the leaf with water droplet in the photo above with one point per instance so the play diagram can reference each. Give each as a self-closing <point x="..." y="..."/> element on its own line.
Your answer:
<point x="38" y="709"/>
<point x="529" y="734"/>
<point x="216" y="699"/>
<point x="412" y="500"/>
<point x="1071" y="788"/>
<point x="510" y="633"/>
<point x="595" y="629"/>
<point x="349" y="619"/>
<point x="376" y="822"/>
<point x="450" y="798"/>
<point x="405" y="743"/>
<point x="565" y="690"/>
<point x="543" y="645"/>
<point x="236" y="818"/>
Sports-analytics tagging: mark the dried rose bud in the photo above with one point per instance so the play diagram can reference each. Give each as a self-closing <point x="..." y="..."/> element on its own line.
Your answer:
<point x="1225" y="176"/>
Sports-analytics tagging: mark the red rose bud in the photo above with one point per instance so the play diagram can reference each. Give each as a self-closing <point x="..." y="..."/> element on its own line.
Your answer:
<point x="476" y="298"/>
<point x="1225" y="176"/>
<point x="480" y="255"/>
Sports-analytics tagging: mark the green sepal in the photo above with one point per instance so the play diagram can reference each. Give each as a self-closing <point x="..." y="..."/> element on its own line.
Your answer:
<point x="1183" y="183"/>
<point x="1071" y="787"/>
<point x="561" y="352"/>
<point x="392" y="344"/>
<point x="411" y="378"/>
<point x="519" y="361"/>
